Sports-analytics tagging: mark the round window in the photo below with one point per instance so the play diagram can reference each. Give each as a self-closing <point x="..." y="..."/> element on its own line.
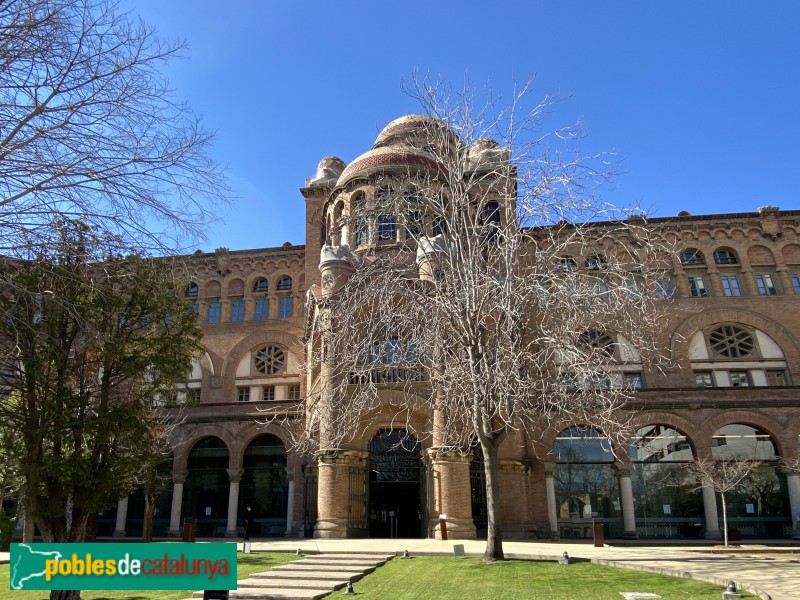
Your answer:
<point x="731" y="341"/>
<point x="269" y="360"/>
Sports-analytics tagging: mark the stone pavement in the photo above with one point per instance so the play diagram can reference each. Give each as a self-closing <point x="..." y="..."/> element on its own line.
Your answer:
<point x="772" y="572"/>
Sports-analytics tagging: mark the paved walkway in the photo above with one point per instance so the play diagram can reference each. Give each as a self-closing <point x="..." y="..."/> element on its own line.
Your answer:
<point x="771" y="572"/>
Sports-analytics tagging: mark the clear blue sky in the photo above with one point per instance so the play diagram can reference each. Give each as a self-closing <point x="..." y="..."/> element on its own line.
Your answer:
<point x="700" y="99"/>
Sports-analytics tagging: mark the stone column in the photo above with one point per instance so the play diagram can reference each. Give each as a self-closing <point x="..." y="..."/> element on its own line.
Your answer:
<point x="235" y="476"/>
<point x="451" y="494"/>
<point x="552" y="510"/>
<point x="626" y="494"/>
<point x="793" y="484"/>
<point x="178" y="479"/>
<point x="122" y="516"/>
<point x="334" y="501"/>
<point x="710" y="507"/>
<point x="513" y="499"/>
<point x="290" y="504"/>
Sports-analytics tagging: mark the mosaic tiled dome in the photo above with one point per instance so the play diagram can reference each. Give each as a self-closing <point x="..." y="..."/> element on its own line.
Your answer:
<point x="409" y="130"/>
<point x="387" y="158"/>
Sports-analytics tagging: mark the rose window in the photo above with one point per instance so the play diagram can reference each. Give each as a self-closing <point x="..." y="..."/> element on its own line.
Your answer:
<point x="269" y="360"/>
<point x="732" y="342"/>
<point x="602" y="342"/>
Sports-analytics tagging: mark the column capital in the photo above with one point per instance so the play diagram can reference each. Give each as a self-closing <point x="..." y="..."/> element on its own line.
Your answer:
<point x="336" y="456"/>
<point x="549" y="468"/>
<point x="449" y="455"/>
<point x="513" y="465"/>
<point x="179" y="476"/>
<point x="235" y="475"/>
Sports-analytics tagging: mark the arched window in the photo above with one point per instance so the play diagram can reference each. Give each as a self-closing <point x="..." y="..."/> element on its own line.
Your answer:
<point x="192" y="291"/>
<point x="358" y="210"/>
<point x="587" y="486"/>
<point x="260" y="285"/>
<point x="666" y="495"/>
<point x="392" y="361"/>
<point x="725" y="256"/>
<point x="265" y="486"/>
<point x="733" y="355"/>
<point x="284" y="284"/>
<point x="596" y="262"/>
<point x="692" y="257"/>
<point x="759" y="505"/>
<point x="387" y="219"/>
<point x="207" y="474"/>
<point x="567" y="263"/>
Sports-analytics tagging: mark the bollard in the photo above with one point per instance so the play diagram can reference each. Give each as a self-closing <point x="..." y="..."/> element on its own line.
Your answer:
<point x="189" y="529"/>
<point x="443" y="527"/>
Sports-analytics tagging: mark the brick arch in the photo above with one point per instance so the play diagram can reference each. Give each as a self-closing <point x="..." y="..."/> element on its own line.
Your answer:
<point x="193" y="434"/>
<point x="679" y="341"/>
<point x="687" y="428"/>
<point x="253" y="430"/>
<point x="206" y="363"/>
<point x="792" y="431"/>
<point x="232" y="281"/>
<point x="385" y="416"/>
<point x="790" y="251"/>
<point x="546" y="442"/>
<point x="231" y="361"/>
<point x="744" y="417"/>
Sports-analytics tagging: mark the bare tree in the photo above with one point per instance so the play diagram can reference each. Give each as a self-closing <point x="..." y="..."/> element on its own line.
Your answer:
<point x="483" y="279"/>
<point x="89" y="128"/>
<point x="724" y="476"/>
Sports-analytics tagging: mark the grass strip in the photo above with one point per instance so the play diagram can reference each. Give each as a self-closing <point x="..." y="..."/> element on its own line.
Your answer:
<point x="446" y="578"/>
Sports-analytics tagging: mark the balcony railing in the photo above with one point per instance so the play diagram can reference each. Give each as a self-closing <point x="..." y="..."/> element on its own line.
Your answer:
<point x="386" y="375"/>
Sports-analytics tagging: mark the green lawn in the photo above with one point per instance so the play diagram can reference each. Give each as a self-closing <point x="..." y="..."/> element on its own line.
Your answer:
<point x="449" y="578"/>
<point x="246" y="564"/>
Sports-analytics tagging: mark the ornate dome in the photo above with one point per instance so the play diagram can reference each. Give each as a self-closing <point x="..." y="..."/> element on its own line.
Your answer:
<point x="486" y="152"/>
<point x="416" y="131"/>
<point x="389" y="157"/>
<point x="329" y="168"/>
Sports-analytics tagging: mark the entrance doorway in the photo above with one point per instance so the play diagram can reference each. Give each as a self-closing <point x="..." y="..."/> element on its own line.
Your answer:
<point x="396" y="491"/>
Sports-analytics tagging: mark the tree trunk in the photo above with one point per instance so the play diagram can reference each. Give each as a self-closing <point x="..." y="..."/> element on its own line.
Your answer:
<point x="65" y="595"/>
<point x="147" y="523"/>
<point x="494" y="535"/>
<point x="724" y="517"/>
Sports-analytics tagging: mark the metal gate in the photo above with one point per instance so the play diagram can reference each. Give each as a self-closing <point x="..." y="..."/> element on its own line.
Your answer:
<point x="357" y="507"/>
<point x="477" y="484"/>
<point x="397" y="501"/>
<point x="310" y="505"/>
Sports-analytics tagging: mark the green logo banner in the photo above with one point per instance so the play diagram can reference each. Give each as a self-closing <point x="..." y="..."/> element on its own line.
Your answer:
<point x="156" y="566"/>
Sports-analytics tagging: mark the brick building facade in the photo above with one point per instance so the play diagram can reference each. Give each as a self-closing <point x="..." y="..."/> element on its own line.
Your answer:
<point x="733" y="332"/>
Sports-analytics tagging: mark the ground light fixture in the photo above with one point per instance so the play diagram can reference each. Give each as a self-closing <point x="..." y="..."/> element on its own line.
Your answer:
<point x="564" y="560"/>
<point x="348" y="590"/>
<point x="405" y="554"/>
<point x="730" y="592"/>
<point x="298" y="553"/>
